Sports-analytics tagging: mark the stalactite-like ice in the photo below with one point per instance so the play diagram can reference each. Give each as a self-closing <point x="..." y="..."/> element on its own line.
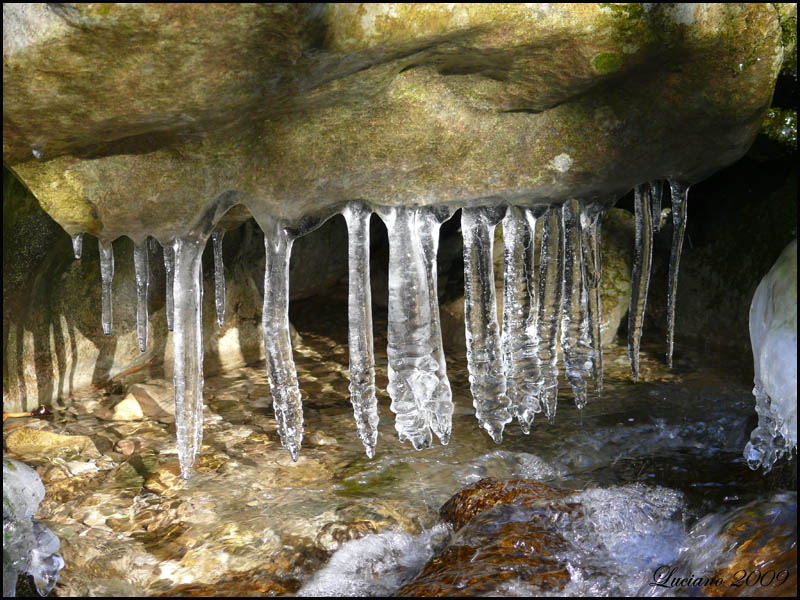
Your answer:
<point x="679" y="192"/>
<point x="642" y="260"/>
<point x="141" y="265"/>
<point x="77" y="245"/>
<point x="412" y="345"/>
<point x="519" y="332"/>
<point x="362" y="358"/>
<point x="106" y="277"/>
<point x="591" y="220"/>
<point x="576" y="345"/>
<point x="169" y="268"/>
<point x="281" y="373"/>
<point x="484" y="353"/>
<point x="656" y="191"/>
<point x="550" y="287"/>
<point x="219" y="276"/>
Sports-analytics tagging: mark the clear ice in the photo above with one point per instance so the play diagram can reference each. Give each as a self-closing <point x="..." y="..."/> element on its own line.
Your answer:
<point x="576" y="345"/>
<point x="77" y="245"/>
<point x="680" y="192"/>
<point x="219" y="276"/>
<point x="519" y="333"/>
<point x="141" y="266"/>
<point x="106" y="277"/>
<point x="591" y="221"/>
<point x="642" y="261"/>
<point x="281" y="373"/>
<point x="550" y="288"/>
<point x="487" y="376"/>
<point x="418" y="384"/>
<point x="169" y="268"/>
<point x="359" y="307"/>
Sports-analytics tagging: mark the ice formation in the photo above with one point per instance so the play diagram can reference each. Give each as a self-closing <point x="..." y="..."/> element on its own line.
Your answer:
<point x="773" y="334"/>
<point x="679" y="191"/>
<point x="77" y="245"/>
<point x="552" y="269"/>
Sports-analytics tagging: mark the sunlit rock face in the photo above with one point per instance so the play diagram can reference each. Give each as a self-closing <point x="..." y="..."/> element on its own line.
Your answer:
<point x="143" y="115"/>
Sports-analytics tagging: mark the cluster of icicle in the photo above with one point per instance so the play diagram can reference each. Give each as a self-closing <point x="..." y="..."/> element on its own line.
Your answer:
<point x="513" y="369"/>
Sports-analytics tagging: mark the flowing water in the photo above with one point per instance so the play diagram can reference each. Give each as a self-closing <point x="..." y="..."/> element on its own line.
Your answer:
<point x="651" y="461"/>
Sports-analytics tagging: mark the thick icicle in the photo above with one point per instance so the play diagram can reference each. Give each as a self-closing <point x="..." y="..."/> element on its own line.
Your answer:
<point x="141" y="266"/>
<point x="576" y="344"/>
<point x="281" y="373"/>
<point x="551" y="280"/>
<point x="656" y="191"/>
<point x="219" y="276"/>
<point x="106" y="277"/>
<point x="484" y="352"/>
<point x="680" y="192"/>
<point x="169" y="267"/>
<point x="188" y="348"/>
<point x="519" y="333"/>
<point x="591" y="222"/>
<point x="642" y="260"/>
<point x="77" y="245"/>
<point x="362" y="358"/>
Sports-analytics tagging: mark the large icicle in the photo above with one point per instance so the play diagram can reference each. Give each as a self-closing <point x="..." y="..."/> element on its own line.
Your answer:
<point x="77" y="245"/>
<point x="484" y="352"/>
<point x="219" y="276"/>
<point x="411" y="352"/>
<point x="591" y="223"/>
<point x="141" y="265"/>
<point x="281" y="373"/>
<point x="106" y="277"/>
<point x="439" y="410"/>
<point x="169" y="267"/>
<point x="576" y="344"/>
<point x="656" y="191"/>
<point x="642" y="261"/>
<point x="187" y="340"/>
<point x="519" y="332"/>
<point x="362" y="358"/>
<point x="551" y="280"/>
<point x="680" y="192"/>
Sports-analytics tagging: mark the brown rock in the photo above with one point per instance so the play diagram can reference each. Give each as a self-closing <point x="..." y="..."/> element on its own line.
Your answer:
<point x="26" y="442"/>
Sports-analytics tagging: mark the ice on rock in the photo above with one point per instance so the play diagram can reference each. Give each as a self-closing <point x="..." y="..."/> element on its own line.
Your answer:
<point x="642" y="261"/>
<point x="141" y="266"/>
<point x="219" y="276"/>
<point x="418" y="385"/>
<point x="548" y="315"/>
<point x="519" y="296"/>
<point x="169" y="268"/>
<point x="679" y="192"/>
<point x="28" y="546"/>
<point x="484" y="352"/>
<point x="106" y="278"/>
<point x="576" y="344"/>
<point x="591" y="221"/>
<point x="362" y="358"/>
<point x="77" y="245"/>
<point x="773" y="335"/>
<point x="281" y="373"/>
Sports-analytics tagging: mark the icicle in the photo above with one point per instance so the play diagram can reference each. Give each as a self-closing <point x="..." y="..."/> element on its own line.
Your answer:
<point x="642" y="260"/>
<point x="141" y="266"/>
<point x="519" y="333"/>
<point x="188" y="348"/>
<point x="362" y="358"/>
<point x="106" y="276"/>
<point x="484" y="353"/>
<point x="77" y="245"/>
<point x="656" y="191"/>
<point x="169" y="267"/>
<point x="551" y="279"/>
<point x="591" y="222"/>
<point x="219" y="276"/>
<point x="152" y="245"/>
<point x="680" y="192"/>
<point x="439" y="410"/>
<point x="576" y="344"/>
<point x="281" y="373"/>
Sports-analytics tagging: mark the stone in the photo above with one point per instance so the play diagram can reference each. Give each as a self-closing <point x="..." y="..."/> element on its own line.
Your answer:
<point x="128" y="410"/>
<point x="154" y="398"/>
<point x="34" y="442"/>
